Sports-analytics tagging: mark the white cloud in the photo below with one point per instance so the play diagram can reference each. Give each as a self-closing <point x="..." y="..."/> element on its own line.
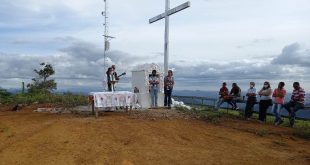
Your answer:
<point x="217" y="40"/>
<point x="80" y="64"/>
<point x="294" y="55"/>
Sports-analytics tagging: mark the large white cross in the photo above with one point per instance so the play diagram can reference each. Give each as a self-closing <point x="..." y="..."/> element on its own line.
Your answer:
<point x="166" y="15"/>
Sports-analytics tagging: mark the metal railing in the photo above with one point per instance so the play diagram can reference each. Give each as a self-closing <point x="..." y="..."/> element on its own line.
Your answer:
<point x="211" y="102"/>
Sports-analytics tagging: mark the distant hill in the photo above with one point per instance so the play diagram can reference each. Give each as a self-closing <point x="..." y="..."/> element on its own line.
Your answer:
<point x="199" y="93"/>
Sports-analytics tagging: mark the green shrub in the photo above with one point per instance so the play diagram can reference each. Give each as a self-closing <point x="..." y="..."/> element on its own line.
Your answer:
<point x="5" y="96"/>
<point x="67" y="100"/>
<point x="302" y="130"/>
<point x="181" y="108"/>
<point x="207" y="113"/>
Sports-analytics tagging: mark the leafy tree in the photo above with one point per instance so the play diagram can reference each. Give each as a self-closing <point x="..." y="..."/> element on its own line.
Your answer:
<point x="42" y="83"/>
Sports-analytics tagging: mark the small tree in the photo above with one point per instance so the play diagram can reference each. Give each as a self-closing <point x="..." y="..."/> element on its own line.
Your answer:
<point x="42" y="83"/>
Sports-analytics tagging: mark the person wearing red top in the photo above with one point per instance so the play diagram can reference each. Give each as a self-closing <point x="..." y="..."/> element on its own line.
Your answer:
<point x="296" y="103"/>
<point x="278" y="95"/>
<point x="222" y="93"/>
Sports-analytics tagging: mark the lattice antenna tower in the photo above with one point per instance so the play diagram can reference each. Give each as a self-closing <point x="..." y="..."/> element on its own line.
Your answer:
<point x="106" y="36"/>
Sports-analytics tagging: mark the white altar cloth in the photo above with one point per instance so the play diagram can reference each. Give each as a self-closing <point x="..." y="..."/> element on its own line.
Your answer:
<point x="114" y="99"/>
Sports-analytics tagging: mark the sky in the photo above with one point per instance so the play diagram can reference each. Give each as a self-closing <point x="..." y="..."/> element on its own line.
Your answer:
<point x="210" y="42"/>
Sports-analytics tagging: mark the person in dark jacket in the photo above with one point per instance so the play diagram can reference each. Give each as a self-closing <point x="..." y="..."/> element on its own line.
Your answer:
<point x="235" y="92"/>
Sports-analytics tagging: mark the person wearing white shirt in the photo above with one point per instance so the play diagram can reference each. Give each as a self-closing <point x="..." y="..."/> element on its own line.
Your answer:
<point x="154" y="87"/>
<point x="251" y="101"/>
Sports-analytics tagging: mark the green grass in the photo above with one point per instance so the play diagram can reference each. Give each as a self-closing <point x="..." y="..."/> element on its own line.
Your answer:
<point x="270" y="119"/>
<point x="301" y="127"/>
<point x="67" y="100"/>
<point x="204" y="113"/>
<point x="181" y="108"/>
<point x="302" y="130"/>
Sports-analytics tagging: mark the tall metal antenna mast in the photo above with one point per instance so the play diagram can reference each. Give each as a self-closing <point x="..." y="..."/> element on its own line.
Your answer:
<point x="106" y="36"/>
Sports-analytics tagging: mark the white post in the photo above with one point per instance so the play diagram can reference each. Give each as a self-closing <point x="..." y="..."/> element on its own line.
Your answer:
<point x="166" y="53"/>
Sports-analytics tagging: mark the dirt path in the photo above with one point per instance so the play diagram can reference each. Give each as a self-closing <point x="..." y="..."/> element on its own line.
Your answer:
<point x="116" y="138"/>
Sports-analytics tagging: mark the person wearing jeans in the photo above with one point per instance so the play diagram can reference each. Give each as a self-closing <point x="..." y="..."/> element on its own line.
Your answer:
<point x="168" y="87"/>
<point x="278" y="95"/>
<point x="154" y="96"/>
<point x="296" y="103"/>
<point x="154" y="87"/>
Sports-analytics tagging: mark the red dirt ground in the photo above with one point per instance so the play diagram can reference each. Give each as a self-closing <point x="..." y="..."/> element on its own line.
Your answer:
<point x="116" y="138"/>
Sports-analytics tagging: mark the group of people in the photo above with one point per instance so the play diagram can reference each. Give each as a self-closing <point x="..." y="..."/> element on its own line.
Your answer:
<point x="229" y="97"/>
<point x="154" y="82"/>
<point x="267" y="97"/>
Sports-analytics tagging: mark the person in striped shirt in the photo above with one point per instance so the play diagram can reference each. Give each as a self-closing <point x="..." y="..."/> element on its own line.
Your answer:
<point x="296" y="103"/>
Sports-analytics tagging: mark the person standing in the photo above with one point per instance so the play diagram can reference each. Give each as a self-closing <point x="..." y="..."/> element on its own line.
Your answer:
<point x="110" y="79"/>
<point x="251" y="101"/>
<point x="114" y="72"/>
<point x="154" y="87"/>
<point x="235" y="92"/>
<point x="168" y="87"/>
<point x="265" y="101"/>
<point x="296" y="103"/>
<point x="278" y="95"/>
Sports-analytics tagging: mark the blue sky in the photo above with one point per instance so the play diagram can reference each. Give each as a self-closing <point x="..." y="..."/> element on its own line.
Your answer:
<point x="210" y="42"/>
